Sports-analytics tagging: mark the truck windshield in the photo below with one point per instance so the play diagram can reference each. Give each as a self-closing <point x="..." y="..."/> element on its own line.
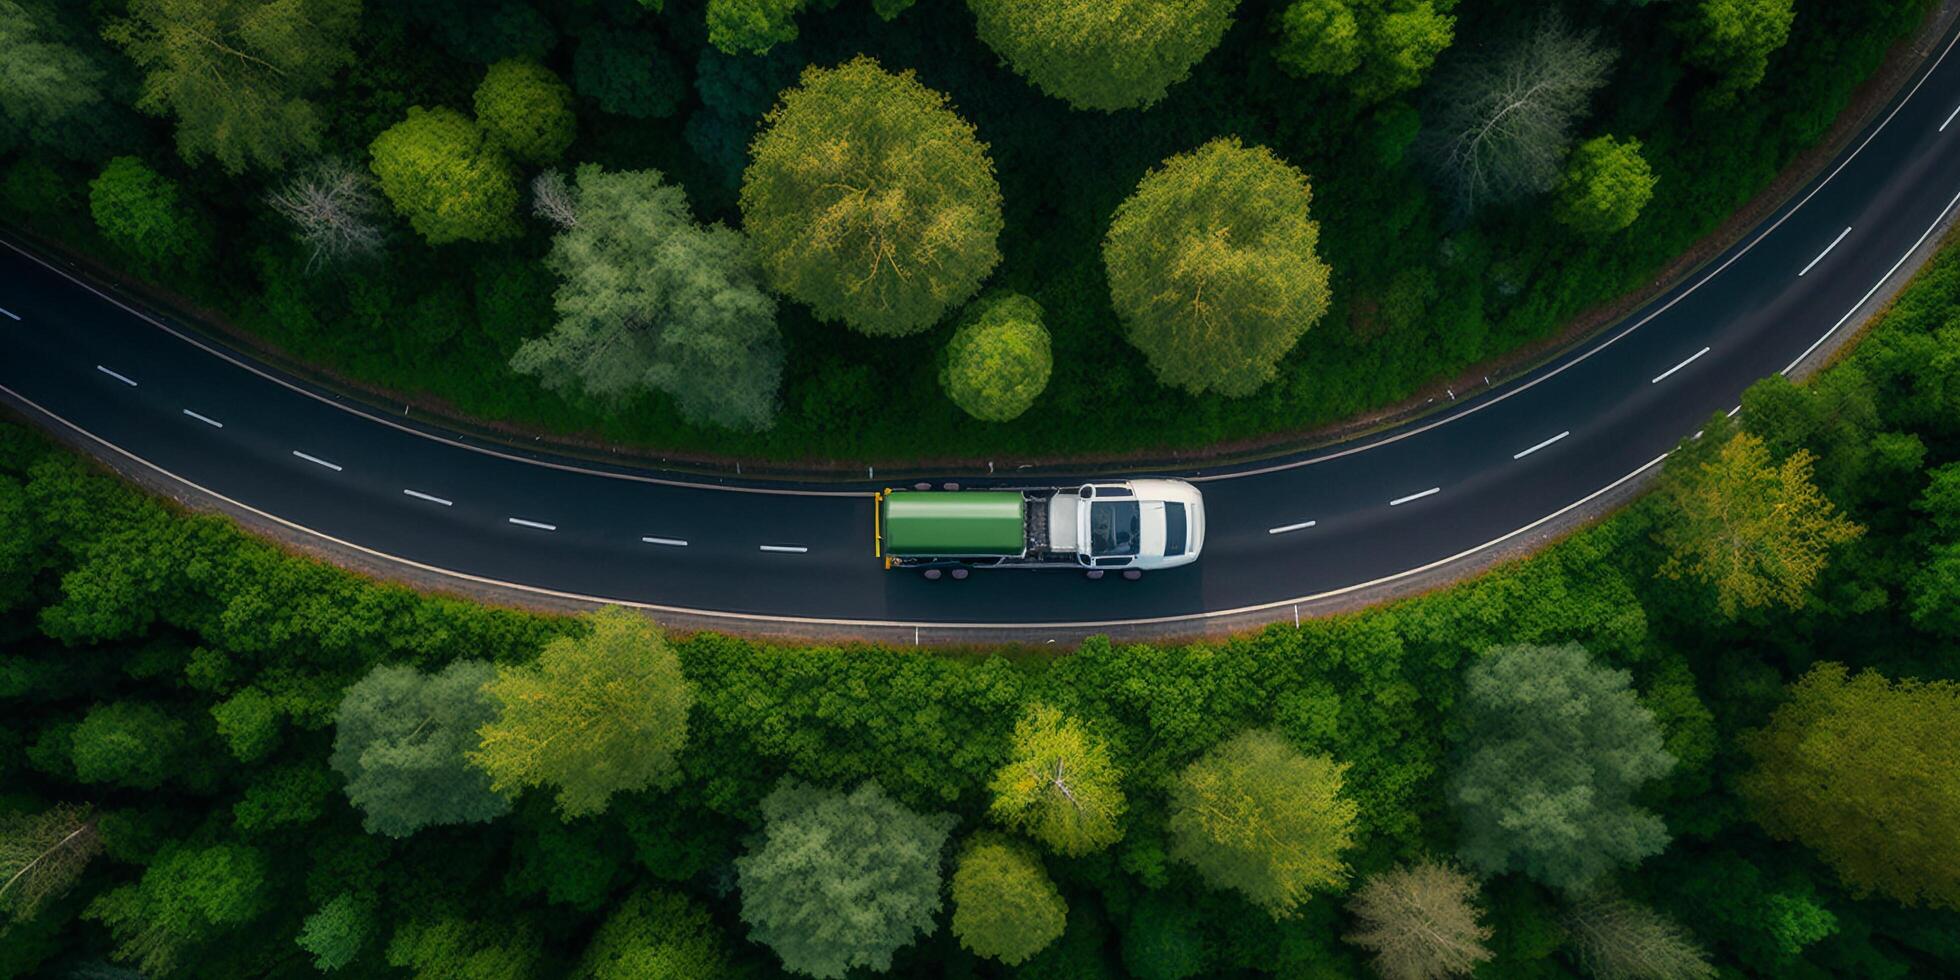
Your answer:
<point x="1114" y="527"/>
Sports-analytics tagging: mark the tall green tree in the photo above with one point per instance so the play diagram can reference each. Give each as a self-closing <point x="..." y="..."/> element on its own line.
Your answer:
<point x="1606" y="184"/>
<point x="1421" y="922"/>
<point x="999" y="359"/>
<point x="841" y="881"/>
<point x="1257" y="816"/>
<point x="400" y="741"/>
<point x="235" y="73"/>
<point x="1499" y="118"/>
<point x="752" y="26"/>
<point x="656" y="935"/>
<point x="143" y="213"/>
<point x="527" y="110"/>
<point x="869" y="199"/>
<point x="450" y="947"/>
<point x="447" y="177"/>
<point x="1213" y="266"/>
<point x="600" y="714"/>
<point x="1552" y="752"/>
<point x="124" y="743"/>
<point x="1060" y="785"/>
<point x="1734" y="39"/>
<point x="338" y="931"/>
<point x="1383" y="47"/>
<point x="1103" y="54"/>
<point x="1866" y="772"/>
<point x="42" y="854"/>
<point x="649" y="300"/>
<point x="1004" y="906"/>
<point x="189" y="898"/>
<point x="51" y="91"/>
<point x="1756" y="531"/>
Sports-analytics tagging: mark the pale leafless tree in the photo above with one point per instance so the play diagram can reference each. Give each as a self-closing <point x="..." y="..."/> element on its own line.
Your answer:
<point x="551" y="200"/>
<point x="1616" y="939"/>
<point x="1500" y="121"/>
<point x="334" y="211"/>
<point x="41" y="855"/>
<point x="1421" y="921"/>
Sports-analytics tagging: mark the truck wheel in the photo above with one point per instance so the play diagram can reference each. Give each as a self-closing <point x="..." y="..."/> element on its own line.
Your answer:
<point x="1132" y="574"/>
<point x="960" y="574"/>
<point x="932" y="574"/>
<point x="1094" y="574"/>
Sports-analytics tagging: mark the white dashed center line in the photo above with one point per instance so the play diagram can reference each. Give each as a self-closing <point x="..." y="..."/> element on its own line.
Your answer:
<point x="669" y="542"/>
<point x="317" y="461"/>
<point x="206" y="419"/>
<point x="431" y="498"/>
<point x="521" y="522"/>
<point x="116" y="376"/>
<point x="1399" y="501"/>
<point x="1826" y="251"/>
<point x="1303" y="525"/>
<point x="1663" y="375"/>
<point x="1541" y="445"/>
<point x="786" y="549"/>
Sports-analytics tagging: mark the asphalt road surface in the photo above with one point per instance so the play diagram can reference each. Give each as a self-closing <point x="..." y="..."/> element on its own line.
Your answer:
<point x="1339" y="519"/>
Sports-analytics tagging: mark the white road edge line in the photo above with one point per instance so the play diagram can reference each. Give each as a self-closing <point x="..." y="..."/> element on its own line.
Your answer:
<point x="600" y="600"/>
<point x="669" y="542"/>
<point x="1949" y="119"/>
<point x="1541" y="445"/>
<point x="1303" y="525"/>
<point x="1826" y="251"/>
<point x="419" y="495"/>
<point x="1663" y="375"/>
<point x="521" y="522"/>
<point x="11" y="315"/>
<point x="784" y="549"/>
<point x="116" y="376"/>
<point x="1399" y="501"/>
<point x="317" y="460"/>
<point x="1880" y="284"/>
<point x="206" y="419"/>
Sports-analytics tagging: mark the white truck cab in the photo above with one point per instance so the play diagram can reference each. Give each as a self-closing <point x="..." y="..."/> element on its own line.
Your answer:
<point x="1137" y="524"/>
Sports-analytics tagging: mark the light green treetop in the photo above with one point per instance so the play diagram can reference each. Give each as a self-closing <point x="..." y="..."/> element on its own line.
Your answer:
<point x="526" y="110"/>
<point x="1004" y="906"/>
<point x="1103" y="54"/>
<point x="999" y="359"/>
<point x="443" y="174"/>
<point x="1060" y="785"/>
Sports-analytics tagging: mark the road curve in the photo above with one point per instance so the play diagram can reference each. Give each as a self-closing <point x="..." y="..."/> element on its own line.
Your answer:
<point x="1337" y="520"/>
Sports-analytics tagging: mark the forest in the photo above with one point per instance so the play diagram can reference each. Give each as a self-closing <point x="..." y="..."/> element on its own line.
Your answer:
<point x="1711" y="735"/>
<point x="809" y="230"/>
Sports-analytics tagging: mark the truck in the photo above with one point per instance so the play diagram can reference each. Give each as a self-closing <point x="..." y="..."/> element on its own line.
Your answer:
<point x="1129" y="526"/>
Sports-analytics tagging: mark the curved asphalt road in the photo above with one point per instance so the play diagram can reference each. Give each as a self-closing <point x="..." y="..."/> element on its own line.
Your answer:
<point x="1331" y="521"/>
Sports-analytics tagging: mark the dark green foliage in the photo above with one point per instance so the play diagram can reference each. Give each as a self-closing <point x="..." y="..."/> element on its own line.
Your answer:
<point x="127" y="744"/>
<point x="250" y="723"/>
<point x="1160" y="943"/>
<point x="628" y="74"/>
<point x="453" y="948"/>
<point x="526" y="110"/>
<point x="400" y="738"/>
<point x="189" y="898"/>
<point x="338" y="931"/>
<point x="655" y="934"/>
<point x="141" y="213"/>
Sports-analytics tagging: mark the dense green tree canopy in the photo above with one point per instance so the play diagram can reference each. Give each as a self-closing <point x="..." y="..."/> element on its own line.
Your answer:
<point x="1385" y="47"/>
<point x="597" y="715"/>
<point x="1553" y="749"/>
<point x="1060" y="786"/>
<point x="838" y="880"/>
<point x="1214" y="269"/>
<point x="1004" y="906"/>
<point x="869" y="199"/>
<point x="187" y="898"/>
<point x="752" y="26"/>
<point x="1734" y="39"/>
<point x="1103" y="54"/>
<point x="235" y="73"/>
<point x="447" y="177"/>
<point x="527" y="110"/>
<point x="1605" y="185"/>
<point x="1848" y="755"/>
<point x="51" y="92"/>
<point x="999" y="359"/>
<point x="658" y="935"/>
<point x="338" y="932"/>
<point x="1256" y="815"/>
<point x="650" y="300"/>
<point x="400" y="738"/>
<point x="129" y="744"/>
<point x="628" y="73"/>
<point x="142" y="213"/>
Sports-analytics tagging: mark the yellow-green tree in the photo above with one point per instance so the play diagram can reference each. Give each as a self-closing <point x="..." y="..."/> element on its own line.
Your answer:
<point x="1212" y="266"/>
<point x="1866" y="772"/>
<point x="444" y="174"/>
<point x="1103" y="54"/>
<point x="1060" y="787"/>
<point x="1256" y="815"/>
<point x="599" y="714"/>
<point x="1004" y="906"/>
<point x="870" y="200"/>
<point x="1757" y="531"/>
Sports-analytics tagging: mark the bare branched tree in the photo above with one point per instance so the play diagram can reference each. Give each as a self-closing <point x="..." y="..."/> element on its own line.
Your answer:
<point x="1421" y="921"/>
<point x="1499" y="121"/>
<point x="334" y="211"/>
<point x="41" y="855"/>
<point x="551" y="199"/>
<point x="1616" y="939"/>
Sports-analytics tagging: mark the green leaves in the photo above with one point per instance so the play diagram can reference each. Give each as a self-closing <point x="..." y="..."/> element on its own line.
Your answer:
<point x="1387" y="45"/>
<point x="142" y="213"/>
<point x="656" y="934"/>
<point x="1213" y="267"/>
<point x="871" y="201"/>
<point x="447" y="177"/>
<point x="998" y="361"/>
<point x="399" y="741"/>
<point x="190" y="897"/>
<point x="1606" y="183"/>
<point x="525" y="109"/>
<point x="1004" y="906"/>
<point x="1103" y="54"/>
<point x="1060" y="786"/>
<point x="1734" y="39"/>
